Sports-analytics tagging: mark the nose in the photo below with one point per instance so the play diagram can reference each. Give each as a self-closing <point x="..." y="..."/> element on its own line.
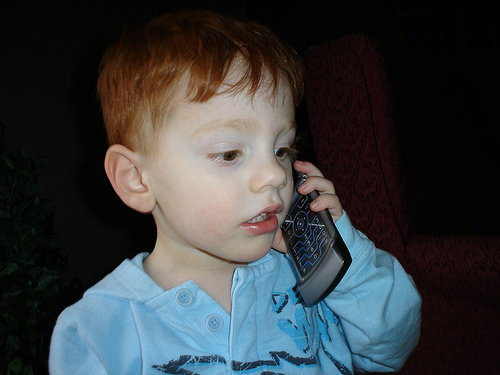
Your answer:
<point x="269" y="173"/>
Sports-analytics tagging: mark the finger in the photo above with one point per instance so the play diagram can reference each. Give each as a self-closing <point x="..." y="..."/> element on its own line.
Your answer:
<point x="328" y="202"/>
<point x="307" y="168"/>
<point x="325" y="202"/>
<point x="315" y="180"/>
<point x="321" y="184"/>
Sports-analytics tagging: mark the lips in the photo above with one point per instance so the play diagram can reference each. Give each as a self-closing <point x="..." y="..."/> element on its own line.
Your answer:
<point x="264" y="222"/>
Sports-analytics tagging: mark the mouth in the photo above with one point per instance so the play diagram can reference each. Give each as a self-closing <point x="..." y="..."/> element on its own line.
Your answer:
<point x="264" y="222"/>
<point x="266" y="214"/>
<point x="259" y="218"/>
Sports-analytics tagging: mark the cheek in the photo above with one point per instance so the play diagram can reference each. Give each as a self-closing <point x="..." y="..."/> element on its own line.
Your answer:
<point x="215" y="206"/>
<point x="287" y="203"/>
<point x="288" y="190"/>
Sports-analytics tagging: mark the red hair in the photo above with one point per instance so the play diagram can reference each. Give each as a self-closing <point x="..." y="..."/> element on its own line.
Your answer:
<point x="140" y="75"/>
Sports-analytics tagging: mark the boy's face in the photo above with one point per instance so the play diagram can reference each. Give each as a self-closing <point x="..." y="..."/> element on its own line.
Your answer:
<point x="222" y="177"/>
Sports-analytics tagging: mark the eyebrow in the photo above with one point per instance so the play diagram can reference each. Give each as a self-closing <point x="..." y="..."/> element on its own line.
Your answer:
<point x="239" y="125"/>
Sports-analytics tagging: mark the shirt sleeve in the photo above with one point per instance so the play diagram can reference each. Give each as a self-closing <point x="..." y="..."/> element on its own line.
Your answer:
<point x="71" y="354"/>
<point x="377" y="303"/>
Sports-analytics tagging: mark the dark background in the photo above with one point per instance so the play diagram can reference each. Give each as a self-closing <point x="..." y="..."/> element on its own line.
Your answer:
<point x="443" y="58"/>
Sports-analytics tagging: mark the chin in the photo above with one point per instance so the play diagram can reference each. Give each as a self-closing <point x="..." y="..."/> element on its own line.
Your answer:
<point x="258" y="253"/>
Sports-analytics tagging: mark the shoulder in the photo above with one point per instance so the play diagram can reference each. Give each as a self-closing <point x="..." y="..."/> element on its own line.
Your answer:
<point x="109" y="300"/>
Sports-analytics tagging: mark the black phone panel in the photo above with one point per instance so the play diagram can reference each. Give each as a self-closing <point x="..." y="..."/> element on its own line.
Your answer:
<point x="319" y="253"/>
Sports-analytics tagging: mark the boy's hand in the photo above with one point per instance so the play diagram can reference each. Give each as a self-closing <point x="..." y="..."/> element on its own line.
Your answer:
<point x="326" y="200"/>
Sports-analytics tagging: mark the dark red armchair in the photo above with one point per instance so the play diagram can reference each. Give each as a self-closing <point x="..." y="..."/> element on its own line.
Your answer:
<point x="352" y="124"/>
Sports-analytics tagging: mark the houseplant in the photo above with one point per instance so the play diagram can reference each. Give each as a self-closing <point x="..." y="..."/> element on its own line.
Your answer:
<point x="34" y="283"/>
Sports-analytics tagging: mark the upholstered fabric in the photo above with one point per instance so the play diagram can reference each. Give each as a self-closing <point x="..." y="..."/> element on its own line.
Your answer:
<point x="354" y="134"/>
<point x="358" y="157"/>
<point x="462" y="266"/>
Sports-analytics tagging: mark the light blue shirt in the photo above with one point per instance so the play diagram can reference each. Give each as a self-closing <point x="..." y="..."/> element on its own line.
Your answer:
<point x="127" y="324"/>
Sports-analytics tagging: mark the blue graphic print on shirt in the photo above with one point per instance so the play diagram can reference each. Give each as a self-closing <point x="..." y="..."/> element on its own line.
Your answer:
<point x="297" y="330"/>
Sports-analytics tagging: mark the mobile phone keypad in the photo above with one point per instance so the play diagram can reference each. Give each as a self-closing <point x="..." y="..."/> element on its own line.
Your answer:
<point x="306" y="235"/>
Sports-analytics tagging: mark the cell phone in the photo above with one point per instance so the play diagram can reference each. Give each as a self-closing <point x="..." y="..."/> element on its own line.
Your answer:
<point x="319" y="253"/>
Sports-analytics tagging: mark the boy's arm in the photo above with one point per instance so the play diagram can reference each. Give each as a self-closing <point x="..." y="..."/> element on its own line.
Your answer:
<point x="377" y="303"/>
<point x="376" y="300"/>
<point x="69" y="353"/>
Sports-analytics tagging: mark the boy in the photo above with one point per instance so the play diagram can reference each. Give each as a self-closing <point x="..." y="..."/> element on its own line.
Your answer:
<point x="199" y="111"/>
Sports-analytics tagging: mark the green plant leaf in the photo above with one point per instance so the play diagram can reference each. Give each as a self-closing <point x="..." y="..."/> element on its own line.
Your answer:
<point x="16" y="365"/>
<point x="9" y="270"/>
<point x="6" y="159"/>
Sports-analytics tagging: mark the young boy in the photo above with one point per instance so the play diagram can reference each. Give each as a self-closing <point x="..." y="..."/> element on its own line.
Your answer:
<point x="200" y="111"/>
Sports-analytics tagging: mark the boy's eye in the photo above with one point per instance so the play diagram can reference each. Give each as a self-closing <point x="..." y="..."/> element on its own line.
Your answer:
<point x="226" y="156"/>
<point x="284" y="152"/>
<point x="229" y="155"/>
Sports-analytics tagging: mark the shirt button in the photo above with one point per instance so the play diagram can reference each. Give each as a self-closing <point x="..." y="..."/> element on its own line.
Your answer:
<point x="184" y="297"/>
<point x="214" y="323"/>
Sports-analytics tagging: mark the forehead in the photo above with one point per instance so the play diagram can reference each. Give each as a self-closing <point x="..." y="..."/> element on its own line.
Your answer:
<point x="238" y="109"/>
<point x="270" y="87"/>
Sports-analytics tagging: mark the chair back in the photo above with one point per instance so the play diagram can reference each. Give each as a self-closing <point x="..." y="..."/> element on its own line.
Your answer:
<point x="351" y="122"/>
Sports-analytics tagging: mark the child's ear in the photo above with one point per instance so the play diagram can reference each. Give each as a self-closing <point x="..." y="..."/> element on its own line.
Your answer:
<point x="126" y="176"/>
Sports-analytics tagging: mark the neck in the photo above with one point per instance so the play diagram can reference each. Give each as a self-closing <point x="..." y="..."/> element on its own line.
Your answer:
<point x="213" y="275"/>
